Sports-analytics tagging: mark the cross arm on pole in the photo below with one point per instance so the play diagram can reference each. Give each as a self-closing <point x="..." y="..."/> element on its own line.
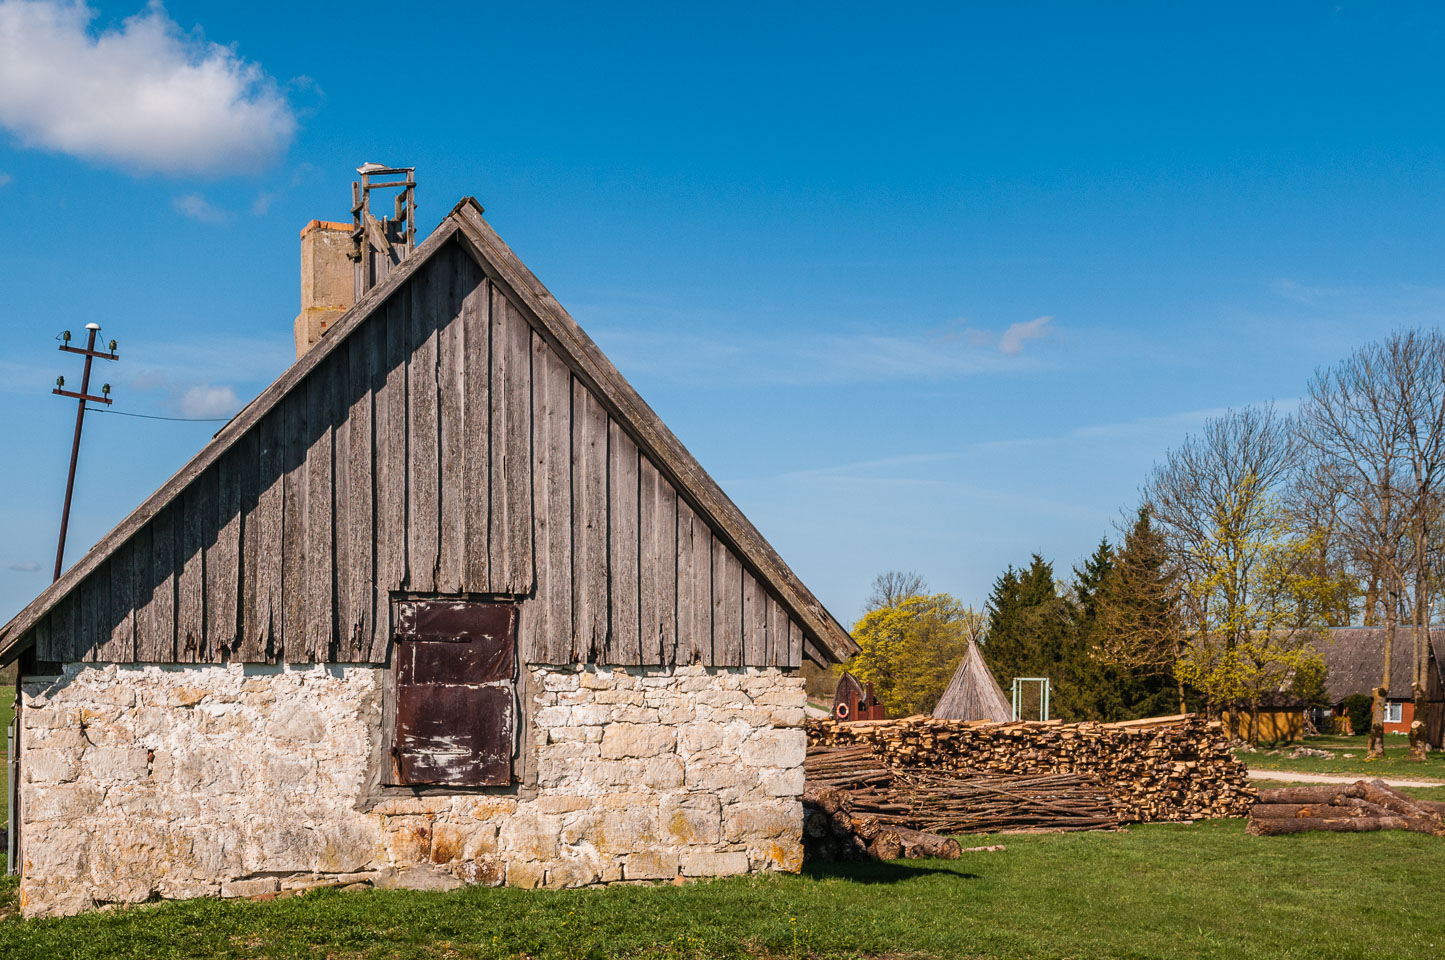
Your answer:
<point x="86" y="352"/>
<point x="81" y="396"/>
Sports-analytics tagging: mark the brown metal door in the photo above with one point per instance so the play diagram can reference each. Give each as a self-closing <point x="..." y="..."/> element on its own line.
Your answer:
<point x="455" y="662"/>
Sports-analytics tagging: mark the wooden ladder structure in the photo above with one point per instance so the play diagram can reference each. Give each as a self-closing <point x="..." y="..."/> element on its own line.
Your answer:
<point x="379" y="245"/>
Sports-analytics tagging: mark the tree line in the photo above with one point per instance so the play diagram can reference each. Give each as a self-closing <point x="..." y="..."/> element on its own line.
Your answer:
<point x="1250" y="539"/>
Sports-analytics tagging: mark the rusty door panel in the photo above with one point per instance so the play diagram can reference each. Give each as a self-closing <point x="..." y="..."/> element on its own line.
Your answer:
<point x="481" y="660"/>
<point x="454" y="620"/>
<point x="454" y="692"/>
<point x="454" y="735"/>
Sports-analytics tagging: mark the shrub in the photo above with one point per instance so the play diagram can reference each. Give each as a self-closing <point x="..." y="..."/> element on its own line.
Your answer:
<point x="1357" y="708"/>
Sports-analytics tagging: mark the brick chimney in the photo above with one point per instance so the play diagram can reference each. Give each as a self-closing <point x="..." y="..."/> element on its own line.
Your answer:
<point x="328" y="285"/>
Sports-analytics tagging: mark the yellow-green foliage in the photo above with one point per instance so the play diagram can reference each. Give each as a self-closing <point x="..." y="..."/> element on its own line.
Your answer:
<point x="1257" y="596"/>
<point x="909" y="650"/>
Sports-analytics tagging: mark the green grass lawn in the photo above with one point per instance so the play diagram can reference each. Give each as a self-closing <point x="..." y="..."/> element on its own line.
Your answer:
<point x="1205" y="890"/>
<point x="7" y="710"/>
<point x="1393" y="764"/>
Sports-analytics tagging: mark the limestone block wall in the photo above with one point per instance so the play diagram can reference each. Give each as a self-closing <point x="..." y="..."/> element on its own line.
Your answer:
<point x="202" y="780"/>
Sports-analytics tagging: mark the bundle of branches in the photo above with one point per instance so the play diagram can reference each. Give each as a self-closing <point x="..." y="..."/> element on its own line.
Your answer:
<point x="857" y="806"/>
<point x="975" y="802"/>
<point x="850" y="768"/>
<point x="1362" y="806"/>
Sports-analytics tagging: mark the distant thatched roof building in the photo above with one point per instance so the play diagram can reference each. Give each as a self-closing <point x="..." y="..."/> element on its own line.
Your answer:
<point x="1353" y="658"/>
<point x="973" y="693"/>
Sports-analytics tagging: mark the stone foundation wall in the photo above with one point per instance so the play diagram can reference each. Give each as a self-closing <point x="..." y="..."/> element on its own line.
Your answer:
<point x="230" y="780"/>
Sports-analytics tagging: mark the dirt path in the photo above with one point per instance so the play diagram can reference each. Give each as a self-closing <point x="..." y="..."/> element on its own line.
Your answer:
<point x="1294" y="776"/>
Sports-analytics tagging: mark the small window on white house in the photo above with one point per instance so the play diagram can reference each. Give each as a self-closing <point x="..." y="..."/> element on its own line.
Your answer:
<point x="1393" y="712"/>
<point x="455" y="688"/>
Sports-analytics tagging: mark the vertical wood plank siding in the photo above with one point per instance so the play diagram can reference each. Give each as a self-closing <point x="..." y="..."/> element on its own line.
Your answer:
<point x="622" y="544"/>
<point x="445" y="447"/>
<point x="589" y="524"/>
<point x="546" y="627"/>
<point x="657" y="536"/>
<point x="694" y="588"/>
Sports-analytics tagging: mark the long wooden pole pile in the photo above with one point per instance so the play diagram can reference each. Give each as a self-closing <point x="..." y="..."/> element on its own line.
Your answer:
<point x="857" y="806"/>
<point x="1360" y="807"/>
<point x="989" y="803"/>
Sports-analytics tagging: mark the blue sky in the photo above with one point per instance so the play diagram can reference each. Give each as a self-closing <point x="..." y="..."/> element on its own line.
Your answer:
<point x="923" y="288"/>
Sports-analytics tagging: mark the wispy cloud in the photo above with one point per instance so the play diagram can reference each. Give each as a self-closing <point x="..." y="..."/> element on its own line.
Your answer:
<point x="1011" y="344"/>
<point x="1180" y="423"/>
<point x="200" y="209"/>
<point x="209" y="401"/>
<point x="807" y="357"/>
<point x="856" y="466"/>
<point x="6" y="179"/>
<point x="25" y="566"/>
<point x="1161" y="428"/>
<point x="145" y="95"/>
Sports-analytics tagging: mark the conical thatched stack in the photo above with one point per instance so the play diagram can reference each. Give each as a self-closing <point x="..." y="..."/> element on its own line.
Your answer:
<point x="973" y="693"/>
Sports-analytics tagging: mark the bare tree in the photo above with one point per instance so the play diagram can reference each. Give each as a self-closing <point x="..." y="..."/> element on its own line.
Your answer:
<point x="1417" y="368"/>
<point x="892" y="587"/>
<point x="1210" y="495"/>
<point x="1357" y="432"/>
<point x="1218" y="500"/>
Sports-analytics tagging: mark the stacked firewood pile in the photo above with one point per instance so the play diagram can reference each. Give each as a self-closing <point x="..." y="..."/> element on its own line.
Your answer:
<point x="1168" y="768"/>
<point x="1360" y="807"/>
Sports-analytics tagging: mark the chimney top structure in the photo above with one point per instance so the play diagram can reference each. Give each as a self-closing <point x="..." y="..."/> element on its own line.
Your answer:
<point x="379" y="245"/>
<point x="341" y="261"/>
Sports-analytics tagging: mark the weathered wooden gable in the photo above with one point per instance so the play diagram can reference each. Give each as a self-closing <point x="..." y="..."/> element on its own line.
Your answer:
<point x="446" y="446"/>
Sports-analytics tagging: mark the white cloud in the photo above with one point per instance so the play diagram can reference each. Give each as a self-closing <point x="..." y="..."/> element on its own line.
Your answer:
<point x="199" y="208"/>
<point x="145" y="95"/>
<point x="6" y="179"/>
<point x="25" y="566"/>
<point x="1011" y="344"/>
<point x="209" y="401"/>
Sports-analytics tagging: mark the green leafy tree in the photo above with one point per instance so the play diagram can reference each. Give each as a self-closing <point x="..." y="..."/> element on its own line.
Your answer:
<point x="909" y="649"/>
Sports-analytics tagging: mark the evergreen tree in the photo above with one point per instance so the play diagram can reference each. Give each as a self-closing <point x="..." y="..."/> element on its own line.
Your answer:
<point x="1094" y="690"/>
<point x="1029" y="634"/>
<point x="1136" y="633"/>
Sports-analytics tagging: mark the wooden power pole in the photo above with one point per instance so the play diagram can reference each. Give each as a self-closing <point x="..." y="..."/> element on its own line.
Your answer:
<point x="84" y="396"/>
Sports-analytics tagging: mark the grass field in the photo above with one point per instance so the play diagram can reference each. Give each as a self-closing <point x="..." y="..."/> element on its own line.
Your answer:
<point x="1393" y="764"/>
<point x="7" y="710"/>
<point x="1165" y="891"/>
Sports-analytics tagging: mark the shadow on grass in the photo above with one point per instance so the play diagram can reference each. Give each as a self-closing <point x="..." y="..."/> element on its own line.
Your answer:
<point x="874" y="871"/>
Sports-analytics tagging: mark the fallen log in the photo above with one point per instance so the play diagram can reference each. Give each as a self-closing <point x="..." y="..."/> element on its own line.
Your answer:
<point x="1322" y="793"/>
<point x="890" y="842"/>
<point x="831" y="831"/>
<point x="1380" y="792"/>
<point x="1277" y="826"/>
<point x="1292" y="811"/>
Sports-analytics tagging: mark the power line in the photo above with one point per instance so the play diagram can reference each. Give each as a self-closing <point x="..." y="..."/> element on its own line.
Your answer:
<point x="151" y="416"/>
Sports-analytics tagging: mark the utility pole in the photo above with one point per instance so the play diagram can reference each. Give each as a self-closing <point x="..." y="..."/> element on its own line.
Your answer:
<point x="89" y="352"/>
